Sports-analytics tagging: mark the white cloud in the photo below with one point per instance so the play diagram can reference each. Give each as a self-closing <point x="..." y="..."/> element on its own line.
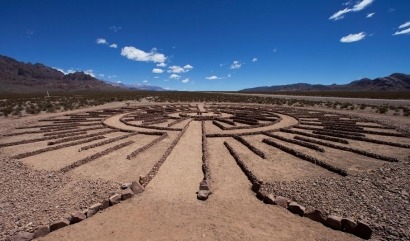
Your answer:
<point x="362" y="5"/>
<point x="236" y="65"/>
<point x="157" y="71"/>
<point x="145" y="81"/>
<point x="162" y="65"/>
<point x="275" y="50"/>
<point x="254" y="59"/>
<point x="212" y="77"/>
<point x="405" y="25"/>
<point x="156" y="77"/>
<point x="185" y="80"/>
<point x="176" y="69"/>
<point x="229" y="76"/>
<point x="89" y="72"/>
<point x="340" y="15"/>
<point x="188" y="66"/>
<point x="358" y="7"/>
<point x="115" y="28"/>
<point x="101" y="41"/>
<point x="112" y="76"/>
<point x="101" y="75"/>
<point x="114" y="46"/>
<point x="174" y="76"/>
<point x="135" y="54"/>
<point x="405" y="31"/>
<point x="353" y="37"/>
<point x="369" y="15"/>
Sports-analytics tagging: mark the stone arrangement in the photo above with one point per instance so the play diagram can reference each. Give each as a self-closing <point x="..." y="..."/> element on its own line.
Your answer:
<point x="315" y="131"/>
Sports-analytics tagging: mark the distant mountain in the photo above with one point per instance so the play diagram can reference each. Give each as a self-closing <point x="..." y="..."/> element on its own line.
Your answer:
<point x="394" y="82"/>
<point x="19" y="77"/>
<point x="137" y="86"/>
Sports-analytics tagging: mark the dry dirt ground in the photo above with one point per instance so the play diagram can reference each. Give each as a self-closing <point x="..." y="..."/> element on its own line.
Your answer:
<point x="39" y="188"/>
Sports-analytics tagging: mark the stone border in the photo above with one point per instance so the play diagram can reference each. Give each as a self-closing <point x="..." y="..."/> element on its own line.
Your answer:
<point x="52" y="148"/>
<point x="95" y="156"/>
<point x="348" y="225"/>
<point x="345" y="148"/>
<point x="128" y="190"/>
<point x="147" y="146"/>
<point x="249" y="146"/>
<point x="105" y="142"/>
<point x="296" y="142"/>
<point x="327" y="138"/>
<point x="306" y="157"/>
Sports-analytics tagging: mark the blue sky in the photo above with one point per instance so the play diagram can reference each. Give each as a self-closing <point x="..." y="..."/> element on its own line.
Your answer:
<point x="213" y="44"/>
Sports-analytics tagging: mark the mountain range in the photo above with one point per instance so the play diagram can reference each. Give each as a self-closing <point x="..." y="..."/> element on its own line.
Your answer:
<point x="20" y="77"/>
<point x="394" y="82"/>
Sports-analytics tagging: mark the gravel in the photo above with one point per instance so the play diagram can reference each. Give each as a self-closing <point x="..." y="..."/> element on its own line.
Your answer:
<point x="31" y="198"/>
<point x="379" y="197"/>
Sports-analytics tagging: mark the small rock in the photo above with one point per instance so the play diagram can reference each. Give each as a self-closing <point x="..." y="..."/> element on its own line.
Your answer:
<point x="24" y="236"/>
<point x="115" y="199"/>
<point x="105" y="204"/>
<point x="127" y="194"/>
<point x="136" y="187"/>
<point x="316" y="216"/>
<point x="296" y="209"/>
<point x="363" y="230"/>
<point x="59" y="224"/>
<point x="203" y="195"/>
<point x="282" y="201"/>
<point x="261" y="194"/>
<point x="41" y="231"/>
<point x="203" y="185"/>
<point x="348" y="225"/>
<point x="256" y="186"/>
<point x="334" y="222"/>
<point x="93" y="209"/>
<point x="125" y="185"/>
<point x="77" y="217"/>
<point x="269" y="199"/>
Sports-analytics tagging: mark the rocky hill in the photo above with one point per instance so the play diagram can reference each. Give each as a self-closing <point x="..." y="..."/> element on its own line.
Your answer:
<point x="394" y="82"/>
<point x="19" y="77"/>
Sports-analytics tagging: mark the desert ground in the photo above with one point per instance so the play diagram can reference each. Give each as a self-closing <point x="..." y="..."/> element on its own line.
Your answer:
<point x="266" y="172"/>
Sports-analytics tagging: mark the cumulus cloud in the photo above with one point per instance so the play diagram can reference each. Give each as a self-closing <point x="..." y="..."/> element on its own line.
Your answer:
<point x="188" y="66"/>
<point x="229" y="76"/>
<point x="185" y="80"/>
<point x="369" y="15"/>
<point x="353" y="37"/>
<point x="212" y="77"/>
<point x="356" y="8"/>
<point x="101" y="41"/>
<point x="162" y="65"/>
<point x="178" y="69"/>
<point x="236" y="65"/>
<point x="157" y="71"/>
<point x="114" y="46"/>
<point x="135" y="54"/>
<point x="254" y="59"/>
<point x="174" y="76"/>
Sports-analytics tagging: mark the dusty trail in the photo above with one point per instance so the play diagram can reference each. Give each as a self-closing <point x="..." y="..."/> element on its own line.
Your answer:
<point x="168" y="209"/>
